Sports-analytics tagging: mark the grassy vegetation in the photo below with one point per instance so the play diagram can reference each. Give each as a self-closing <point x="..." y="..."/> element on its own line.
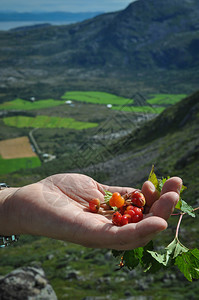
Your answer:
<point x="76" y="272"/>
<point x="165" y="99"/>
<point x="96" y="97"/>
<point x="16" y="164"/>
<point x="20" y="104"/>
<point x="140" y="109"/>
<point x="47" y="122"/>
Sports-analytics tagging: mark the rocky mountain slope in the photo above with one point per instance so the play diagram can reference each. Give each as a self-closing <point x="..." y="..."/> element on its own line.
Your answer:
<point x="170" y="142"/>
<point x="150" y="44"/>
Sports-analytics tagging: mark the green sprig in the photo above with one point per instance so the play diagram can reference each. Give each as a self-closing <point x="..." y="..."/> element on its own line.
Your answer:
<point x="187" y="260"/>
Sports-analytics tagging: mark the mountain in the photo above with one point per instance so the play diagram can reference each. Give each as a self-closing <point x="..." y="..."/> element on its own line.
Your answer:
<point x="170" y="142"/>
<point x="152" y="45"/>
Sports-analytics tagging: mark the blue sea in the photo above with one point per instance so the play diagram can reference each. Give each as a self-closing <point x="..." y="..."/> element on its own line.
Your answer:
<point x="14" y="24"/>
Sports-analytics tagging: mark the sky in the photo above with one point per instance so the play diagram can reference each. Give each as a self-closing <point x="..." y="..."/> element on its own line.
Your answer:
<point x="64" y="5"/>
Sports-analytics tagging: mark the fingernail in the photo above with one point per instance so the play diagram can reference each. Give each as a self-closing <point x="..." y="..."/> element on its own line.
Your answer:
<point x="152" y="187"/>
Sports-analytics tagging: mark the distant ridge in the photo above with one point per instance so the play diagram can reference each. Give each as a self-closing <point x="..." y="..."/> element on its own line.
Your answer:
<point x="151" y="45"/>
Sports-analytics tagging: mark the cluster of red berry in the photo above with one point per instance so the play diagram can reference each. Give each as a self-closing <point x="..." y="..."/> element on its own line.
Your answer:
<point x="125" y="209"/>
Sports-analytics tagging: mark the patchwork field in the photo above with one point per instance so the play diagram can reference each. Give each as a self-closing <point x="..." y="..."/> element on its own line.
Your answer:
<point x="100" y="98"/>
<point x="21" y="104"/>
<point x="14" y="164"/>
<point x="16" y="148"/>
<point x="47" y="122"/>
<point x="96" y="97"/>
<point x="140" y="109"/>
<point x="66" y="123"/>
<point x="16" y="154"/>
<point x="165" y="99"/>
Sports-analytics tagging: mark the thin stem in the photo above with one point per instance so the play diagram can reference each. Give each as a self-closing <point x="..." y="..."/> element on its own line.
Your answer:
<point x="196" y="208"/>
<point x="178" y="225"/>
<point x="177" y="214"/>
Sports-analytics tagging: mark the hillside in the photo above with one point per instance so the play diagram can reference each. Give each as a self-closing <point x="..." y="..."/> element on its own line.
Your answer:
<point x="152" y="45"/>
<point x="170" y="142"/>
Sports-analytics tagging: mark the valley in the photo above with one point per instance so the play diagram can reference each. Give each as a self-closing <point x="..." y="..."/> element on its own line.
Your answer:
<point x="96" y="115"/>
<point x="107" y="97"/>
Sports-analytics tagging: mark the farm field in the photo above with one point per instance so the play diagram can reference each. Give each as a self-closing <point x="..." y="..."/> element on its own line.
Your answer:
<point x="64" y="126"/>
<point x="20" y="104"/>
<point x="165" y="99"/>
<point x="47" y="122"/>
<point x="140" y="109"/>
<point x="101" y="98"/>
<point x="16" y="154"/>
<point x="16" y="148"/>
<point x="11" y="165"/>
<point x="96" y="97"/>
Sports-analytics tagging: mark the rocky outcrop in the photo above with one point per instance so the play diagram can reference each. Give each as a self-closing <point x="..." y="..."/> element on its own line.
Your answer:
<point x="27" y="283"/>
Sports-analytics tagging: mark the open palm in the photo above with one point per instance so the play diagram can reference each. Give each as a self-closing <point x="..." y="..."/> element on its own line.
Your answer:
<point x="57" y="207"/>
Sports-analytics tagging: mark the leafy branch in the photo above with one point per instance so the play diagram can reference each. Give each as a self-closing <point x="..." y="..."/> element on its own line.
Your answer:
<point x="187" y="260"/>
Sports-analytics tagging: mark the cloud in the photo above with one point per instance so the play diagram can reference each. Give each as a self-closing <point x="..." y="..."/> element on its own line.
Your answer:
<point x="64" y="5"/>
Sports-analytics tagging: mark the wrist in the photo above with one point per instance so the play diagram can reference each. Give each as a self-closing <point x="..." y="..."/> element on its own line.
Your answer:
<point x="7" y="211"/>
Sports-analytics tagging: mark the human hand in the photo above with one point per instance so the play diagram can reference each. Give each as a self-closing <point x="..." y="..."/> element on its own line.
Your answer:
<point x="57" y="207"/>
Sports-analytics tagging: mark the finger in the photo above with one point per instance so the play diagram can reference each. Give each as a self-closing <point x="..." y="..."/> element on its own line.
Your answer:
<point x="150" y="193"/>
<point x="106" y="235"/>
<point x="132" y="236"/>
<point x="172" y="184"/>
<point x="165" y="205"/>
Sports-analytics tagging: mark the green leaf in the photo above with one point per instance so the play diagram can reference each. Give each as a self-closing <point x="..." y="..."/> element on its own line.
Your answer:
<point x="161" y="258"/>
<point x="169" y="253"/>
<point x="179" y="204"/>
<point x="130" y="259"/>
<point x="188" y="264"/>
<point x="158" y="183"/>
<point x="182" y="189"/>
<point x="148" y="262"/>
<point x="176" y="248"/>
<point x="161" y="182"/>
<point x="187" y="208"/>
<point x="107" y="196"/>
<point x="153" y="177"/>
<point x="117" y="253"/>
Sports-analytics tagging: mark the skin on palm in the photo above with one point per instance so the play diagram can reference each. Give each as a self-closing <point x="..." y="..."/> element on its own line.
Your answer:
<point x="57" y="207"/>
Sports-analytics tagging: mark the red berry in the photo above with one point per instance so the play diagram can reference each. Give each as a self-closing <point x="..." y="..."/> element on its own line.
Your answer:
<point x="128" y="216"/>
<point x="131" y="213"/>
<point x="116" y="218"/>
<point x="124" y="220"/>
<point x="138" y="215"/>
<point x="94" y="205"/>
<point x="123" y="209"/>
<point x="137" y="198"/>
<point x="136" y="218"/>
<point x="137" y="210"/>
<point x="130" y="207"/>
<point x="116" y="200"/>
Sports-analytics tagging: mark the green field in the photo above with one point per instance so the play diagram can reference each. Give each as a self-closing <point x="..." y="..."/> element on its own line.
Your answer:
<point x="20" y="104"/>
<point x="11" y="165"/>
<point x="47" y="122"/>
<point x="96" y="98"/>
<point x="140" y="109"/>
<point x="165" y="99"/>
